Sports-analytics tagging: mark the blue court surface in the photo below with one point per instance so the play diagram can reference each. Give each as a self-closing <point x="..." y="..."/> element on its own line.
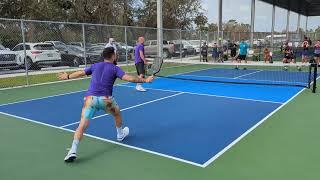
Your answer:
<point x="192" y="122"/>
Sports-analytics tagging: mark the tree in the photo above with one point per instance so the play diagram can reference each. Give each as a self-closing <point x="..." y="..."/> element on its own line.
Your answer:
<point x="201" y="21"/>
<point x="233" y="26"/>
<point x="176" y="14"/>
<point x="212" y="27"/>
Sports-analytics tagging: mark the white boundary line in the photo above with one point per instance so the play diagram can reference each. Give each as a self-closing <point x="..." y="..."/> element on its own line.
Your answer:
<point x="73" y="92"/>
<point x="211" y="95"/>
<point x="41" y="84"/>
<point x="131" y="107"/>
<point x="106" y="140"/>
<point x="247" y="74"/>
<point x="56" y="95"/>
<point x="249" y="130"/>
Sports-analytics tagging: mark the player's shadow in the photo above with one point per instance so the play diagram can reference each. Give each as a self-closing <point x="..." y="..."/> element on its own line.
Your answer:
<point x="95" y="155"/>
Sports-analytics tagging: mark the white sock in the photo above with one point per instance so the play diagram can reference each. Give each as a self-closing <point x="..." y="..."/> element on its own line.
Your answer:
<point x="138" y="84"/>
<point x="119" y="130"/>
<point x="74" y="146"/>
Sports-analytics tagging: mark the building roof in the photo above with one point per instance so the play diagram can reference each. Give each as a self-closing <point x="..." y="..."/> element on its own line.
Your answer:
<point x="304" y="7"/>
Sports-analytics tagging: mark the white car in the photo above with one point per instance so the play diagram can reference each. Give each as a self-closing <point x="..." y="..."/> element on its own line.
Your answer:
<point x="196" y="45"/>
<point x="9" y="59"/>
<point x="39" y="54"/>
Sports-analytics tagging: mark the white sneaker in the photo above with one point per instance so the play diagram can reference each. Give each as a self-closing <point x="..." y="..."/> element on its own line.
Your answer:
<point x="124" y="134"/>
<point x="140" y="88"/>
<point x="71" y="156"/>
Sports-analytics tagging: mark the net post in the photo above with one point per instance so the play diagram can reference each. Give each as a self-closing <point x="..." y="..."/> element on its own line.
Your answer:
<point x="24" y="51"/>
<point x="315" y="73"/>
<point x="309" y="76"/>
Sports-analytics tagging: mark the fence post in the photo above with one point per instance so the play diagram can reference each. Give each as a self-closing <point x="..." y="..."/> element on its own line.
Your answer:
<point x="84" y="45"/>
<point x="180" y="41"/>
<point x="126" y="41"/>
<point x="200" y="45"/>
<point x="25" y="52"/>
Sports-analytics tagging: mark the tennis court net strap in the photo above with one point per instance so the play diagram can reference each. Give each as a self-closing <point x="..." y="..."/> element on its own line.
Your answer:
<point x="255" y="73"/>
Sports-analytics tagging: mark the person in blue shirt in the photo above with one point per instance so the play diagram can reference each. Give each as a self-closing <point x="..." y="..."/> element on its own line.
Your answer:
<point x="243" y="51"/>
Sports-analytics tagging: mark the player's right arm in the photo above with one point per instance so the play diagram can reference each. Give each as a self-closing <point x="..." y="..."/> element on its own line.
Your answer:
<point x="136" y="79"/>
<point x="74" y="75"/>
<point x="78" y="74"/>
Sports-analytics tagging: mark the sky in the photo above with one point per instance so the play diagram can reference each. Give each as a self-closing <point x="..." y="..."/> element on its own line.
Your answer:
<point x="240" y="10"/>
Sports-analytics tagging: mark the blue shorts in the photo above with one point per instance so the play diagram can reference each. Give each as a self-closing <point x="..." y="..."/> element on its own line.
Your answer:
<point x="94" y="103"/>
<point x="305" y="53"/>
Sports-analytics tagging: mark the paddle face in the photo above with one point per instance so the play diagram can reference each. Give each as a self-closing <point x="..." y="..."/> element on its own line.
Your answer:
<point x="155" y="67"/>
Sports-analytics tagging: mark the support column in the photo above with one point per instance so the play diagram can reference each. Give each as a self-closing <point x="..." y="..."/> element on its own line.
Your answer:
<point x="272" y="27"/>
<point x="288" y="23"/>
<point x="219" y="21"/>
<point x="307" y="18"/>
<point x="253" y="10"/>
<point x="160" y="28"/>
<point x="298" y="24"/>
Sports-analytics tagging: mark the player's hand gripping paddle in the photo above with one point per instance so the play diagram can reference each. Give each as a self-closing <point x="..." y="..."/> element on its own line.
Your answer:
<point x="155" y="67"/>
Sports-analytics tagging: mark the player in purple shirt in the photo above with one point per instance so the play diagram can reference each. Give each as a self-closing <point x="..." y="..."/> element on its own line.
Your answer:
<point x="99" y="95"/>
<point x="140" y="61"/>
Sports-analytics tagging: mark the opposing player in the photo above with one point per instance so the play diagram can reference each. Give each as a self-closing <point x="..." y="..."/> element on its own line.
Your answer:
<point x="288" y="54"/>
<point x="305" y="50"/>
<point x="112" y="43"/>
<point x="99" y="95"/>
<point x="267" y="55"/>
<point x="243" y="51"/>
<point x="317" y="52"/>
<point x="140" y="61"/>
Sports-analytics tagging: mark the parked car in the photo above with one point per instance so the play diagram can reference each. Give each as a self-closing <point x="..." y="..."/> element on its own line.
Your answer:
<point x="188" y="48"/>
<point x="80" y="44"/>
<point x="57" y="43"/>
<point x="38" y="54"/>
<point x="98" y="50"/>
<point x="9" y="59"/>
<point x="151" y="48"/>
<point x="69" y="56"/>
<point x="124" y="46"/>
<point x="196" y="44"/>
<point x="90" y="57"/>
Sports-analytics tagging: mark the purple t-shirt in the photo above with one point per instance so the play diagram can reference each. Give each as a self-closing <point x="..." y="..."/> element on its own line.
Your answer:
<point x="103" y="77"/>
<point x="138" y="48"/>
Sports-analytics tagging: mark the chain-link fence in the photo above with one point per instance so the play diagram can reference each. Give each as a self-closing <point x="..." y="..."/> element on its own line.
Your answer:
<point x="32" y="52"/>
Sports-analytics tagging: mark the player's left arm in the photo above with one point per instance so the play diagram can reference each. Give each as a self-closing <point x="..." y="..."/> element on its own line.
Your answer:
<point x="74" y="75"/>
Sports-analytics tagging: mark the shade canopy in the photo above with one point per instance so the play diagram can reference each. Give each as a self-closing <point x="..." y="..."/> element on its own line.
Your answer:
<point x="304" y="7"/>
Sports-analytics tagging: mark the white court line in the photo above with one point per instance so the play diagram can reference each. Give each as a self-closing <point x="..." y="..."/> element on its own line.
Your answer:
<point x="249" y="130"/>
<point x="131" y="107"/>
<point x="46" y="97"/>
<point x="247" y="74"/>
<point x="212" y="95"/>
<point x="42" y="98"/>
<point x="106" y="140"/>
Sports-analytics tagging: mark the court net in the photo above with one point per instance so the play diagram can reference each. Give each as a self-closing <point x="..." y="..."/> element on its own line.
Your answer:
<point x="256" y="73"/>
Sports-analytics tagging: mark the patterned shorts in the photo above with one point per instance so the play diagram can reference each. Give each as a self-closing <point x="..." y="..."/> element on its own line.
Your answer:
<point x="94" y="103"/>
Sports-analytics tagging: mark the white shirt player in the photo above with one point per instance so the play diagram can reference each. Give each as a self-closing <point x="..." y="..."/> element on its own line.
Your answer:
<point x="112" y="44"/>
